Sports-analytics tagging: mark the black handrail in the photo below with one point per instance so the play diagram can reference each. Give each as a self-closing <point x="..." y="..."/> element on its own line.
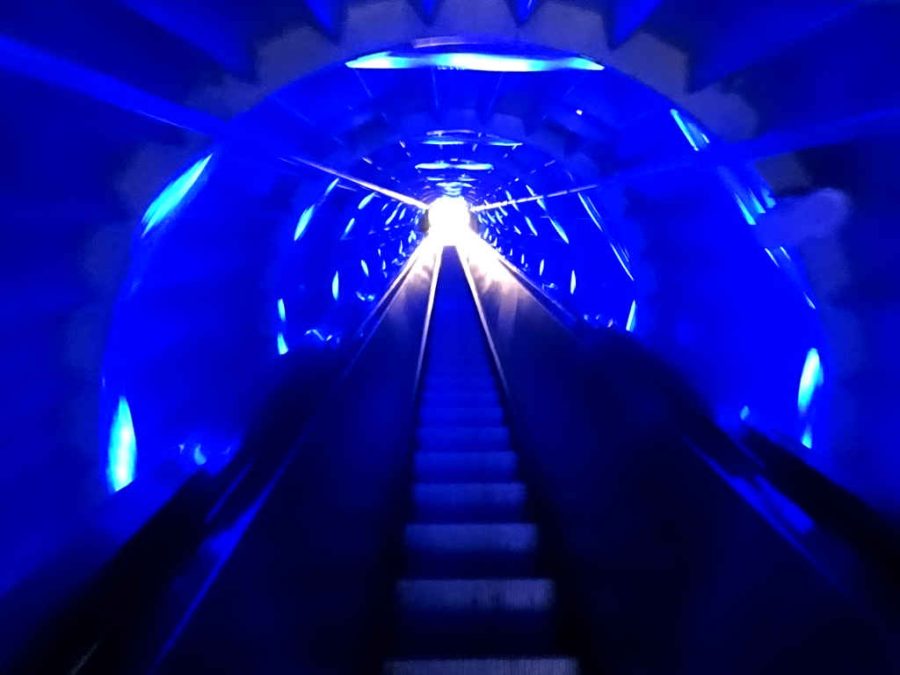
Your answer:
<point x="850" y="522"/>
<point x="829" y="504"/>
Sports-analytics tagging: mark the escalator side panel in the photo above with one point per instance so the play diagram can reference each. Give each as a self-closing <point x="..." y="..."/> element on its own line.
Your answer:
<point x="668" y="569"/>
<point x="311" y="576"/>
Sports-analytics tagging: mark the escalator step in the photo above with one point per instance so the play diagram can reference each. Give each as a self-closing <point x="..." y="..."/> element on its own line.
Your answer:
<point x="444" y="393"/>
<point x="477" y="597"/>
<point x="455" y="370"/>
<point x="476" y="617"/>
<point x="460" y="467"/>
<point x="472" y="550"/>
<point x="533" y="666"/>
<point x="461" y="398"/>
<point x="450" y="436"/>
<point x="469" y="502"/>
<point x="434" y="414"/>
<point x="461" y="379"/>
<point x="431" y="387"/>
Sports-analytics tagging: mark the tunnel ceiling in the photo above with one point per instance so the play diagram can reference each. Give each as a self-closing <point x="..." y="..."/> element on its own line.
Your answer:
<point x="223" y="59"/>
<point x="423" y="128"/>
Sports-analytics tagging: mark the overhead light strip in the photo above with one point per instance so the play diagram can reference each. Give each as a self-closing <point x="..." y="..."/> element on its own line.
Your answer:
<point x="474" y="61"/>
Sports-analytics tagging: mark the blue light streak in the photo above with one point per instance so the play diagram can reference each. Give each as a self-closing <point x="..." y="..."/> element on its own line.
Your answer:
<point x="459" y="166"/>
<point x="336" y="286"/>
<point x="452" y="189"/>
<point x="349" y="227"/>
<point x="365" y="267"/>
<point x="632" y="317"/>
<point x="199" y="457"/>
<point x="685" y="129"/>
<point x="811" y="378"/>
<point x="806" y="439"/>
<point x="530" y="226"/>
<point x="315" y="332"/>
<point x="173" y="194"/>
<point x="572" y="283"/>
<point x="443" y="141"/>
<point x="393" y="214"/>
<point x="591" y="210"/>
<point x="559" y="230"/>
<point x="303" y="222"/>
<point x="331" y="186"/>
<point x="539" y="199"/>
<point x="366" y="200"/>
<point x="281" y="344"/>
<point x="122" y="454"/>
<point x="621" y="259"/>
<point x="757" y="205"/>
<point x="282" y="314"/>
<point x="748" y="216"/>
<point x="475" y="61"/>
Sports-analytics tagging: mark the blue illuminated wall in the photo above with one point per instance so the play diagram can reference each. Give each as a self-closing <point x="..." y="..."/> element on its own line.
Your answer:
<point x="251" y="261"/>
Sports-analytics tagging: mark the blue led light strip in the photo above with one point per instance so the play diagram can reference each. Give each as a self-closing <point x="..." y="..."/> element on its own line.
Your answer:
<point x="475" y="61"/>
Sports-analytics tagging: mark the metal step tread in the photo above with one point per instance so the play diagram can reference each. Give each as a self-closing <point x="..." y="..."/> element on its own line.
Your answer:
<point x="508" y="666"/>
<point x="453" y="538"/>
<point x="471" y="551"/>
<point x="432" y="414"/>
<point x="455" y="433"/>
<point x="469" y="502"/>
<point x="488" y="596"/>
<point x="458" y="467"/>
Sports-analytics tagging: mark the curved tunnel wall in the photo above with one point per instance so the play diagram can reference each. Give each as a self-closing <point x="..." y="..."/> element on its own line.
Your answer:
<point x="66" y="285"/>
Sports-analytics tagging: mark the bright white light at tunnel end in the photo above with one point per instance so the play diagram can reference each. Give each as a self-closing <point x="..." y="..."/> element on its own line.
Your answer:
<point x="450" y="225"/>
<point x="449" y="220"/>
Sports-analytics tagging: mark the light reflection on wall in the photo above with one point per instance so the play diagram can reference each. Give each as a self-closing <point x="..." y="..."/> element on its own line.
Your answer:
<point x="122" y="455"/>
<point x="172" y="196"/>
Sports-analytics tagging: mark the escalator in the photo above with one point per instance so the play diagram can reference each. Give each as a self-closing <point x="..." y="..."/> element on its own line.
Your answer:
<point x="477" y="494"/>
<point x="475" y="596"/>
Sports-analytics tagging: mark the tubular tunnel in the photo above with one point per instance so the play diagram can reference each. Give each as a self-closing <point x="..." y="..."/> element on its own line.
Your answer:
<point x="411" y="337"/>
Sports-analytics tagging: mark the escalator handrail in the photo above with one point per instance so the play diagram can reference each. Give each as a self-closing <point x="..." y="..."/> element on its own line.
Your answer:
<point x="57" y="613"/>
<point x="834" y="509"/>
